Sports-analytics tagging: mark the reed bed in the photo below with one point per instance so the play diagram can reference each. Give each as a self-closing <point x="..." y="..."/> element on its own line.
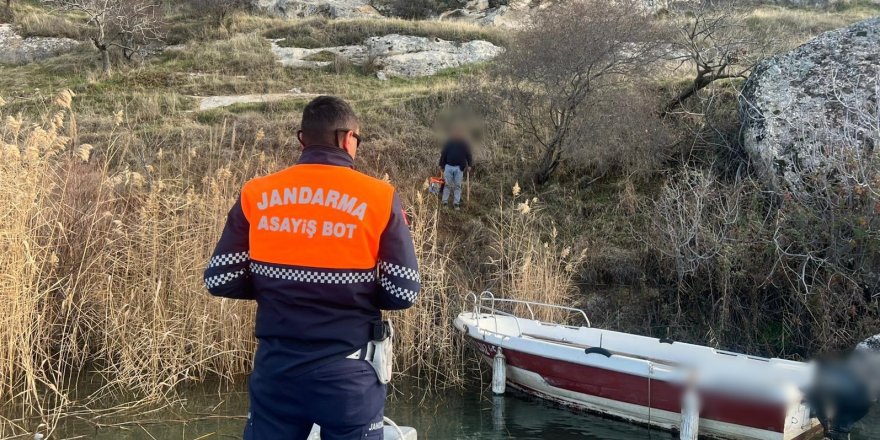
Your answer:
<point x="530" y="262"/>
<point x="427" y="350"/>
<point x="100" y="274"/>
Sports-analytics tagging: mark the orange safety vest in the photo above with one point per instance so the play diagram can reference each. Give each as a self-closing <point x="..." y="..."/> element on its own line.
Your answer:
<point x="323" y="249"/>
<point x="319" y="216"/>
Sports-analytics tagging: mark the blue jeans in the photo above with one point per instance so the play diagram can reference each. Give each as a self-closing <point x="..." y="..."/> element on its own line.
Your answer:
<point x="452" y="175"/>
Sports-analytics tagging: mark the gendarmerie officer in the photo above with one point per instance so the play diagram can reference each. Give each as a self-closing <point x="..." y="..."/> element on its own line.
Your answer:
<point x="323" y="249"/>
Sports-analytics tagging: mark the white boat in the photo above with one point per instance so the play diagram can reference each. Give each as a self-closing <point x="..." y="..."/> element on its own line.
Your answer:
<point x="638" y="378"/>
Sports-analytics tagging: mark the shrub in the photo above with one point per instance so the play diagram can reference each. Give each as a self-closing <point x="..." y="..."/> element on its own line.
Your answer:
<point x="555" y="66"/>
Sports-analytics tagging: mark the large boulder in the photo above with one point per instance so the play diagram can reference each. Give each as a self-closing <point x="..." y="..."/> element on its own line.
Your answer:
<point x="407" y="56"/>
<point x="324" y="8"/>
<point x="14" y="49"/>
<point x="804" y="111"/>
<point x="395" y="55"/>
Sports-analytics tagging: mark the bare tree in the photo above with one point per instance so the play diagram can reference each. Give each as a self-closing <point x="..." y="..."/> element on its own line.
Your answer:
<point x="124" y="24"/>
<point x="714" y="41"/>
<point x="555" y="64"/>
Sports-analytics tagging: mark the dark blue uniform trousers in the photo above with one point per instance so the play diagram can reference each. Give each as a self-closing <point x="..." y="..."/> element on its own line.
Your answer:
<point x="343" y="397"/>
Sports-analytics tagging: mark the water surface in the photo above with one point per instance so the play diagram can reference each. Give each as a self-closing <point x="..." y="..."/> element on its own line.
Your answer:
<point x="472" y="415"/>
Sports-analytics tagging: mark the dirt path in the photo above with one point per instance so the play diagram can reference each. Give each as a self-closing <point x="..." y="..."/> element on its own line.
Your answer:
<point x="212" y="102"/>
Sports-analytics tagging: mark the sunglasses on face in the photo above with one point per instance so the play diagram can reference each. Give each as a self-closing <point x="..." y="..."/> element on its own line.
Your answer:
<point x="356" y="136"/>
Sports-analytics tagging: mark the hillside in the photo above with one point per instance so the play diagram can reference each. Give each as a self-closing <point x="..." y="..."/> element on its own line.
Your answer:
<point x="117" y="182"/>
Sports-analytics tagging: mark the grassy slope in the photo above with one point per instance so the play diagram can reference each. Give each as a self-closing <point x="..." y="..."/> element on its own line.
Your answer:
<point x="399" y="116"/>
<point x="157" y="103"/>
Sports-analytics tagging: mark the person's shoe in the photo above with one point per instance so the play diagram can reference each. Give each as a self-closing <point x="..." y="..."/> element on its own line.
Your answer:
<point x="457" y="207"/>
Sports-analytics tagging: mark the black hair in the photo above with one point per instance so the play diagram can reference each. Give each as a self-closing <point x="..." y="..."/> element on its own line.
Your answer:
<point x="323" y="117"/>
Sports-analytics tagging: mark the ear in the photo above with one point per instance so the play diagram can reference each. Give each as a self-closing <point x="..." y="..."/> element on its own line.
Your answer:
<point x="350" y="144"/>
<point x="299" y="137"/>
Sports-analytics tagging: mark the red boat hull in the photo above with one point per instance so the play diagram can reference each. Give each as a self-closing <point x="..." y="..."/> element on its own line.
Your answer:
<point x="757" y="419"/>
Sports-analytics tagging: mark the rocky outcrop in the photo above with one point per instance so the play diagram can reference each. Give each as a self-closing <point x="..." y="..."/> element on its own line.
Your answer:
<point x="17" y="50"/>
<point x="803" y="110"/>
<point x="512" y="14"/>
<point x="505" y="13"/>
<point x="324" y="8"/>
<point x="396" y="55"/>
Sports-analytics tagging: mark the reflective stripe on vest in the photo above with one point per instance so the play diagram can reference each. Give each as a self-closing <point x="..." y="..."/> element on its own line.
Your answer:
<point x="319" y="216"/>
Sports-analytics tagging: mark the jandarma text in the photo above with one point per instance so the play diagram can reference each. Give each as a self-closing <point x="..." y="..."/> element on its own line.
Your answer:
<point x="307" y="196"/>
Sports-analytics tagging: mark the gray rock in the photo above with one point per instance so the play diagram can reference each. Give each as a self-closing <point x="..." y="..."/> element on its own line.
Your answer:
<point x="297" y="56"/>
<point x="801" y="109"/>
<point x="323" y="8"/>
<point x="477" y="5"/>
<point x="397" y="55"/>
<point x="514" y="14"/>
<point x="17" y="50"/>
<point x="517" y="13"/>
<point x="409" y="57"/>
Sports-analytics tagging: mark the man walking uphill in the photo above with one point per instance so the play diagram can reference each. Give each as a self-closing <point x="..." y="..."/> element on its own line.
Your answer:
<point x="323" y="249"/>
<point x="455" y="160"/>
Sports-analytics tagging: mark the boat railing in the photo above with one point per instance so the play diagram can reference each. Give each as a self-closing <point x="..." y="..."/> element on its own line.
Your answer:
<point x="488" y="303"/>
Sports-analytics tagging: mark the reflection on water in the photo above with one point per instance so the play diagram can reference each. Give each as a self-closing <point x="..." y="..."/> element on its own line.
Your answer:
<point x="472" y="416"/>
<point x="516" y="416"/>
<point x="469" y="416"/>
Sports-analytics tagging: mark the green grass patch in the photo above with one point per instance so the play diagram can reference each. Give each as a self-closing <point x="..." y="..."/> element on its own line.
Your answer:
<point x="244" y="54"/>
<point x="324" y="55"/>
<point x="34" y="20"/>
<point x="790" y="27"/>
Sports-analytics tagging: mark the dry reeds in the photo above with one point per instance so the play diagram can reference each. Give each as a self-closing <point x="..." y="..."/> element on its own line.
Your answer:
<point x="530" y="263"/>
<point x="426" y="347"/>
<point x="102" y="261"/>
<point x="101" y="272"/>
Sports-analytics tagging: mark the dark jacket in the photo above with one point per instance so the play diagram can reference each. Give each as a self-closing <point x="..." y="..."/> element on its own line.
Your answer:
<point x="456" y="153"/>
<point x="322" y="248"/>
